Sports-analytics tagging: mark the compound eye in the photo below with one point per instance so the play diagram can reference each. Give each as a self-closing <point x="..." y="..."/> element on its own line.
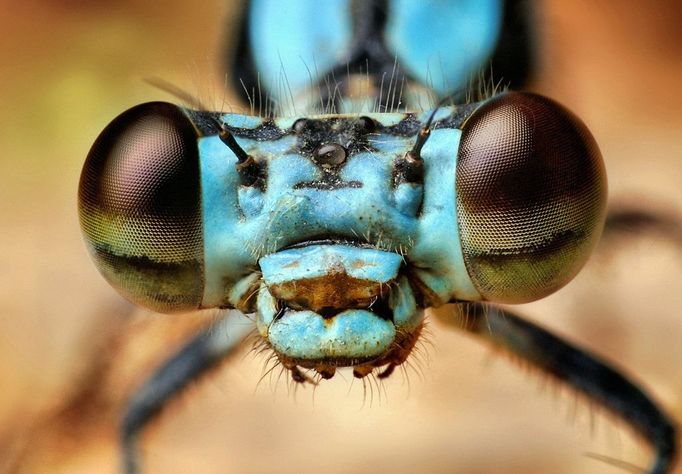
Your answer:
<point x="140" y="207"/>
<point x="531" y="196"/>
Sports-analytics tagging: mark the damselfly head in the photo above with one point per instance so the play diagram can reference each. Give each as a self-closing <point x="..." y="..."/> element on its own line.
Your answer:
<point x="339" y="230"/>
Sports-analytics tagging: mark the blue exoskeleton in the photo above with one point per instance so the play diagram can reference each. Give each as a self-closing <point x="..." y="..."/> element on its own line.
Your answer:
<point x="337" y="230"/>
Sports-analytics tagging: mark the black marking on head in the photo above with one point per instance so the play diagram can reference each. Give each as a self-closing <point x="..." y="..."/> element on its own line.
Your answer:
<point x="267" y="131"/>
<point x="209" y="123"/>
<point x="206" y="123"/>
<point x="407" y="170"/>
<point x="329" y="182"/>
<point x="328" y="143"/>
<point x="349" y="133"/>
<point x="252" y="173"/>
<point x="407" y="127"/>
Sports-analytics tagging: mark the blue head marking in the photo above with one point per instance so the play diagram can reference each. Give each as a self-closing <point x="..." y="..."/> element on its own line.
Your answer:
<point x="343" y="249"/>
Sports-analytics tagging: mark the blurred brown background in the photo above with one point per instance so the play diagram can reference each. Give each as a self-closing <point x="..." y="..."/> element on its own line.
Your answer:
<point x="71" y="349"/>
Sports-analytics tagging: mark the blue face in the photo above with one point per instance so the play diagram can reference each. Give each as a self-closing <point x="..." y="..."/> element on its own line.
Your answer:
<point x="330" y="229"/>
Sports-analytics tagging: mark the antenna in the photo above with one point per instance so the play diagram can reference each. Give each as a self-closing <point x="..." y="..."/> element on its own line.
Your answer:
<point x="250" y="173"/>
<point x="410" y="168"/>
<point x="415" y="153"/>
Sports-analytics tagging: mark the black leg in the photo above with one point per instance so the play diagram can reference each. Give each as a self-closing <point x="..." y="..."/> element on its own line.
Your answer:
<point x="634" y="220"/>
<point x="200" y="354"/>
<point x="577" y="368"/>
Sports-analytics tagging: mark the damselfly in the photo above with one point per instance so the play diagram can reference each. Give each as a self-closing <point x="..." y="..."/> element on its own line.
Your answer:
<point x="337" y="217"/>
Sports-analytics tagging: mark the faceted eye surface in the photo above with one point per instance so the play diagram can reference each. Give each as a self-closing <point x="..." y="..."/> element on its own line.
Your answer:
<point x="531" y="196"/>
<point x="140" y="207"/>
